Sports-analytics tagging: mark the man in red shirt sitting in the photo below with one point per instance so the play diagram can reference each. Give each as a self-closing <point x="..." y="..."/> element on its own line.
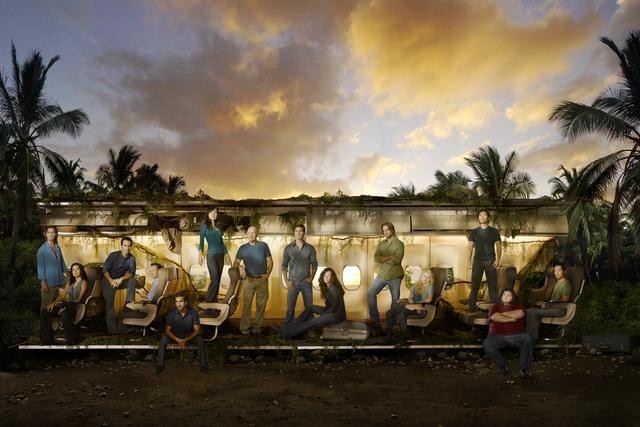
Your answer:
<point x="507" y="329"/>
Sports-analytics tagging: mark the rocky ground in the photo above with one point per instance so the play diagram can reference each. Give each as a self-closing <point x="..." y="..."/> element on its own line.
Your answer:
<point x="320" y="388"/>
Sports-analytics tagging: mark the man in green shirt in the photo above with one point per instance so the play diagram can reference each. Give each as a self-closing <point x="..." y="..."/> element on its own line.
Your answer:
<point x="561" y="294"/>
<point x="388" y="256"/>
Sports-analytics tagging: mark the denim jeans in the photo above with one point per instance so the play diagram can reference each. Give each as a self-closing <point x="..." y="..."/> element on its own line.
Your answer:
<point x="477" y="270"/>
<point x="378" y="285"/>
<point x="164" y="342"/>
<point x="523" y="342"/>
<point x="215" y="263"/>
<point x="292" y="297"/>
<point x="109" y="294"/>
<point x="401" y="311"/>
<point x="306" y="321"/>
<point x="535" y="314"/>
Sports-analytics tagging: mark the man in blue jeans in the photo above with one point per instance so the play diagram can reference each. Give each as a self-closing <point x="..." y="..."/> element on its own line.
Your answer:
<point x="183" y="327"/>
<point x="388" y="256"/>
<point x="506" y="329"/>
<point x="299" y="265"/>
<point x="119" y="271"/>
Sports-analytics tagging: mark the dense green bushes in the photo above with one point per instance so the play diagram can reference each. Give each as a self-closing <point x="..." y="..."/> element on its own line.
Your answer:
<point x="607" y="308"/>
<point x="19" y="288"/>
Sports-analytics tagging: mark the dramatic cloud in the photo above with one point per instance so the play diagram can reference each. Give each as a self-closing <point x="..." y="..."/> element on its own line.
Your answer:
<point x="242" y="133"/>
<point x="423" y="56"/>
<point x="536" y="107"/>
<point x="375" y="171"/>
<point x="576" y="154"/>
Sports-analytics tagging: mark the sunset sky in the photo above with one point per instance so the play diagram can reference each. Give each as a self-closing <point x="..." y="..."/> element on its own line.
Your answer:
<point x="274" y="98"/>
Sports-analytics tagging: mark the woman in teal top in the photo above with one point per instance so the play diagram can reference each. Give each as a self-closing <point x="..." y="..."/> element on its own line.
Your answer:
<point x="216" y="251"/>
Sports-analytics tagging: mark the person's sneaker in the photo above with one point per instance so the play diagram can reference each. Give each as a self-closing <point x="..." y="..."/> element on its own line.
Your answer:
<point x="245" y="332"/>
<point x="157" y="370"/>
<point x="388" y="340"/>
<point x="525" y="375"/>
<point x="504" y="370"/>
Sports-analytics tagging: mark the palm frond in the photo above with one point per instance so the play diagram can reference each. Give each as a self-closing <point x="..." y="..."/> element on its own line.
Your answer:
<point x="578" y="119"/>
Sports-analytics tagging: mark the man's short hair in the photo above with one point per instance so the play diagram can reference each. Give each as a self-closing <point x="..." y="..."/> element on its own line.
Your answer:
<point x="389" y="225"/>
<point x="126" y="238"/>
<point x="183" y="295"/>
<point x="304" y="229"/>
<point x="156" y="264"/>
<point x="485" y="211"/>
<point x="561" y="264"/>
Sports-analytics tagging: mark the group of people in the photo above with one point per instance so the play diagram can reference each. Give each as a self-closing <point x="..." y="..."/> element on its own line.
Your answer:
<point x="253" y="264"/>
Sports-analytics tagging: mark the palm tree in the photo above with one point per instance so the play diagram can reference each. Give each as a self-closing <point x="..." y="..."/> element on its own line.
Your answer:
<point x="452" y="186"/>
<point x="148" y="180"/>
<point x="403" y="191"/>
<point x="615" y="115"/>
<point x="580" y="213"/>
<point x="497" y="180"/>
<point x="175" y="186"/>
<point x="67" y="175"/>
<point x="30" y="117"/>
<point x="117" y="174"/>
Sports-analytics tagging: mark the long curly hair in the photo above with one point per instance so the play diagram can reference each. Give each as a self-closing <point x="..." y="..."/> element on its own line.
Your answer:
<point x="324" y="287"/>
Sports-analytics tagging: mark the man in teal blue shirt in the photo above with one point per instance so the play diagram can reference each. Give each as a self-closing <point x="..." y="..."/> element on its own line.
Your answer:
<point x="52" y="273"/>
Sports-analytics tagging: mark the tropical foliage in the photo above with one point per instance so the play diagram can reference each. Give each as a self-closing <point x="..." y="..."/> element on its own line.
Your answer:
<point x="497" y="180"/>
<point x="27" y="118"/>
<point x="450" y="186"/>
<point x="615" y="115"/>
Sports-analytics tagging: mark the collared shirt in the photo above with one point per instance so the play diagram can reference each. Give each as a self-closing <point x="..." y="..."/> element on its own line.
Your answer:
<point x="155" y="290"/>
<point x="183" y="326"/>
<point x="254" y="257"/>
<point x="213" y="236"/>
<point x="117" y="265"/>
<point x="51" y="266"/>
<point x="392" y="268"/>
<point x="298" y="261"/>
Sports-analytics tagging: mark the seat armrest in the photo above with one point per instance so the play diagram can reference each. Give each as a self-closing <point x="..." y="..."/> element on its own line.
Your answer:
<point x="213" y="305"/>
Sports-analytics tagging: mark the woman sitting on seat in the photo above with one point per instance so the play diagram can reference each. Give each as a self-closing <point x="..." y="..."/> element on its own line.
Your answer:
<point x="421" y="292"/>
<point x="65" y="306"/>
<point x="332" y="292"/>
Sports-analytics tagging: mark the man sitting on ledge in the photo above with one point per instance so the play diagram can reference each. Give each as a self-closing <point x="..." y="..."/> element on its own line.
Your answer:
<point x="183" y="326"/>
<point x="506" y="329"/>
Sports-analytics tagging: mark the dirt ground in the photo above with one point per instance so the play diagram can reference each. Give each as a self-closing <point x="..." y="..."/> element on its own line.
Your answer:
<point x="402" y="388"/>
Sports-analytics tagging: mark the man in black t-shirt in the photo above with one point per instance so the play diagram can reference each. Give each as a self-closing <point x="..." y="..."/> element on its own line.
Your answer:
<point x="485" y="249"/>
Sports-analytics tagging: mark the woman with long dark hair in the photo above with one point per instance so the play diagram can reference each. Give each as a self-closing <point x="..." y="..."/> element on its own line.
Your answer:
<point x="332" y="293"/>
<point x="216" y="251"/>
<point x="65" y="306"/>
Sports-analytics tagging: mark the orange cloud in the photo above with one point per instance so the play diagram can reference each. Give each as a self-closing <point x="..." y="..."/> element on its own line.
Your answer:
<point x="536" y="107"/>
<point x="421" y="56"/>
